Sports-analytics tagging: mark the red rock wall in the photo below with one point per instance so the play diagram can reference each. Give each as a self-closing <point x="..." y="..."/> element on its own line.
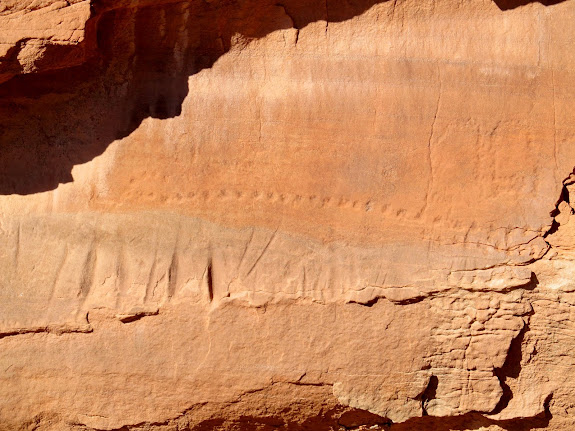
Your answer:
<point x="249" y="215"/>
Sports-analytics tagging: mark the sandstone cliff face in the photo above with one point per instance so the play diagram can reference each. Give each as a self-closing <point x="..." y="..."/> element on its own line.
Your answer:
<point x="250" y="214"/>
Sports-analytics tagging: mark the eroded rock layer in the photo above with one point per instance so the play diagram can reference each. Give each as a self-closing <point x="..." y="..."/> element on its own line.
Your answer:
<point x="250" y="214"/>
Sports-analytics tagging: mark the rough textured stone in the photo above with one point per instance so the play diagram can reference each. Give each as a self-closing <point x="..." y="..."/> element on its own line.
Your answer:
<point x="245" y="214"/>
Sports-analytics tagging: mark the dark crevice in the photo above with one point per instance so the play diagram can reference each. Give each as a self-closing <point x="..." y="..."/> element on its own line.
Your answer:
<point x="510" y="369"/>
<point x="428" y="394"/>
<point x="133" y="317"/>
<point x="410" y="301"/>
<point x="546" y="408"/>
<point x="210" y="280"/>
<point x="553" y="229"/>
<point x="369" y="303"/>
<point x="173" y="275"/>
<point x="563" y="197"/>
<point x="58" y="330"/>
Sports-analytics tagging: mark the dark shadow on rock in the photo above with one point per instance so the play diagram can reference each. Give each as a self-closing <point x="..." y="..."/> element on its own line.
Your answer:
<point x="510" y="369"/>
<point x="476" y="421"/>
<point x="428" y="394"/>
<point x="473" y="421"/>
<point x="142" y="58"/>
<point x="209" y="425"/>
<point x="338" y="418"/>
<point x="530" y="285"/>
<point x="139" y="63"/>
<point x="355" y="418"/>
<point x="512" y="4"/>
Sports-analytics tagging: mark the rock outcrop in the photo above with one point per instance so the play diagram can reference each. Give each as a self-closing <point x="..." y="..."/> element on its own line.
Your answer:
<point x="251" y="214"/>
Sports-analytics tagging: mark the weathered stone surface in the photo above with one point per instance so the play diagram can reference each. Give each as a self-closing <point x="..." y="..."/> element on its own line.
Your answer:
<point x="253" y="215"/>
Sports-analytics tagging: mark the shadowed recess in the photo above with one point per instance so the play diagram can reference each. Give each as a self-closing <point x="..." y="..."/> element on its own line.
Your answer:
<point x="510" y="369"/>
<point x="472" y="421"/>
<point x="512" y="4"/>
